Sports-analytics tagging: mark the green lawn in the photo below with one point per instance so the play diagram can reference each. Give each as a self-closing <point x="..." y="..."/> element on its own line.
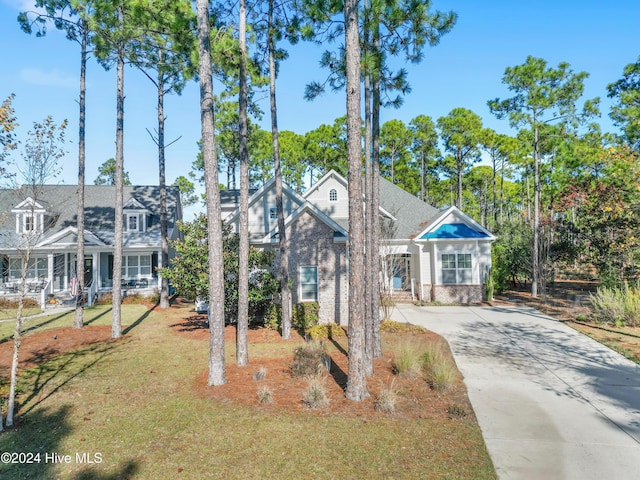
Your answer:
<point x="130" y="405"/>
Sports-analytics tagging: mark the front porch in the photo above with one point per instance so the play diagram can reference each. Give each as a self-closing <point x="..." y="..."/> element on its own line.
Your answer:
<point x="52" y="280"/>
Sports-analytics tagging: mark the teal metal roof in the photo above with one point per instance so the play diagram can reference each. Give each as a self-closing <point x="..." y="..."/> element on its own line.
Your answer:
<point x="455" y="230"/>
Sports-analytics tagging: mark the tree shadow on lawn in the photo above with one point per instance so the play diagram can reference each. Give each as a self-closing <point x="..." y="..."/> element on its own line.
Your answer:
<point x="38" y="436"/>
<point x="34" y="326"/>
<point x="55" y="370"/>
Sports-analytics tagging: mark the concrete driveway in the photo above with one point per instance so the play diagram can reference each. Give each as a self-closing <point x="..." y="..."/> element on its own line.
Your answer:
<point x="551" y="403"/>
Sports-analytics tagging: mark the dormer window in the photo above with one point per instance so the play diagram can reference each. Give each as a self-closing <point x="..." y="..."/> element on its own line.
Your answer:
<point x="135" y="216"/>
<point x="273" y="212"/>
<point x="30" y="216"/>
<point x="132" y="223"/>
<point x="333" y="195"/>
<point x="29" y="223"/>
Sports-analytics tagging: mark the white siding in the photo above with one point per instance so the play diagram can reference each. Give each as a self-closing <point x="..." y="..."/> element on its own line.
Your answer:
<point x="320" y="197"/>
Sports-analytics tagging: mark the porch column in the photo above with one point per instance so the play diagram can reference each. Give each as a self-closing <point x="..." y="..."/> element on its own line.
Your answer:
<point x="50" y="271"/>
<point x="66" y="272"/>
<point x="159" y="287"/>
<point x="95" y="270"/>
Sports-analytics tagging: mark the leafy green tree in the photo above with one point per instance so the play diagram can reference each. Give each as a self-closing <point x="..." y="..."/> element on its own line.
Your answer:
<point x="107" y="174"/>
<point x="187" y="189"/>
<point x="395" y="141"/>
<point x="500" y="149"/>
<point x="626" y="111"/>
<point x="605" y="214"/>
<point x="542" y="95"/>
<point x="460" y="131"/>
<point x="188" y="271"/>
<point x="424" y="147"/>
<point x="326" y="148"/>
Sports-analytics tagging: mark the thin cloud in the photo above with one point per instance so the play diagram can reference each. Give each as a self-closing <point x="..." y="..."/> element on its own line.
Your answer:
<point x="52" y="78"/>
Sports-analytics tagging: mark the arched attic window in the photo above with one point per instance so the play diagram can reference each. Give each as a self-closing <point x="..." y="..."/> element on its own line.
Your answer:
<point x="333" y="195"/>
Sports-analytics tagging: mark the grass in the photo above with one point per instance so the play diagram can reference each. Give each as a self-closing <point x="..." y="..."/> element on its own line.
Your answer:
<point x="624" y="340"/>
<point x="96" y="315"/>
<point x="131" y="401"/>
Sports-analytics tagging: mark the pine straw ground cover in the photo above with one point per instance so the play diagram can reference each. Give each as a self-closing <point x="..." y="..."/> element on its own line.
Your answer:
<point x="139" y="407"/>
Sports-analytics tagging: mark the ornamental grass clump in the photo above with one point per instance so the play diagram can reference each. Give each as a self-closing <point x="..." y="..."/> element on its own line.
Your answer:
<point x="315" y="396"/>
<point x="260" y="374"/>
<point x="442" y="376"/>
<point x="406" y="361"/>
<point x="265" y="397"/>
<point x="387" y="399"/>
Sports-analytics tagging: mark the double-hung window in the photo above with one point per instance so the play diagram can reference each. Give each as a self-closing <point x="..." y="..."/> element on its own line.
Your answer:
<point x="456" y="268"/>
<point x="309" y="284"/>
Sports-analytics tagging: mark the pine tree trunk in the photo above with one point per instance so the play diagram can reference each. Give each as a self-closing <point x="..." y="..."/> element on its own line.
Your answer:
<point x="78" y="319"/>
<point x="369" y="208"/>
<point x="356" y="382"/>
<point x="285" y="293"/>
<point x="375" y="201"/>
<point x="17" y="336"/>
<point x="242" y="331"/>
<point x="116" y="305"/>
<point x="217" y="373"/>
<point x="536" y="213"/>
<point x="164" y="230"/>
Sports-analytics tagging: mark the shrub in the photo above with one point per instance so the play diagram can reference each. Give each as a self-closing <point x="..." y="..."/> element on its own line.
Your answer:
<point x="27" y="302"/>
<point x="391" y="326"/>
<point x="309" y="359"/>
<point x="619" y="306"/>
<point x="105" y="299"/>
<point x="273" y="316"/>
<point x="387" y="399"/>
<point x="386" y="304"/>
<point x="326" y="331"/>
<point x="456" y="411"/>
<point x="315" y="396"/>
<point x="305" y="315"/>
<point x="406" y="360"/>
<point x="265" y="397"/>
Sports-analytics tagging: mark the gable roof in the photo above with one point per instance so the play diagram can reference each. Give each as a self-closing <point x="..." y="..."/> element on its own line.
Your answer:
<point x="409" y="212"/>
<point x="308" y="207"/>
<point x="463" y="228"/>
<point x="60" y="202"/>
<point x="257" y="194"/>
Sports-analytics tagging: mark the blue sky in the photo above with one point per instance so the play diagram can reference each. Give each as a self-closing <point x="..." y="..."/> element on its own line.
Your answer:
<point x="464" y="70"/>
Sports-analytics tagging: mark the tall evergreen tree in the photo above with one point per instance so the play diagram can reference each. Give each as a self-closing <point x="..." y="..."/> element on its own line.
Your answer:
<point x="217" y="371"/>
<point x="542" y="95"/>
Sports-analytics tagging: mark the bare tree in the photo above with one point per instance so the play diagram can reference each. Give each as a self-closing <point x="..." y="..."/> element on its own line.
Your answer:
<point x="40" y="154"/>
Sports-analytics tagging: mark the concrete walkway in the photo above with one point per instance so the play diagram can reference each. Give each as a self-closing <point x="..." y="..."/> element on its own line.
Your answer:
<point x="551" y="403"/>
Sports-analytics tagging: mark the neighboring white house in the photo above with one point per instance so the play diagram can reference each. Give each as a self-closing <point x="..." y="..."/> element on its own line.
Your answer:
<point x="435" y="255"/>
<point x="48" y="223"/>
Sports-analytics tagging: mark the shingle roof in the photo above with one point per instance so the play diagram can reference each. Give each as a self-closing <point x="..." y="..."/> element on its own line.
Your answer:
<point x="410" y="212"/>
<point x="99" y="211"/>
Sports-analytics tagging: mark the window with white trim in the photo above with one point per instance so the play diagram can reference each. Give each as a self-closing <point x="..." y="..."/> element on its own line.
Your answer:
<point x="309" y="284"/>
<point x="36" y="268"/>
<point x="136" y="266"/>
<point x="456" y="268"/>
<point x="132" y="223"/>
<point x="29" y="223"/>
<point x="333" y="195"/>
